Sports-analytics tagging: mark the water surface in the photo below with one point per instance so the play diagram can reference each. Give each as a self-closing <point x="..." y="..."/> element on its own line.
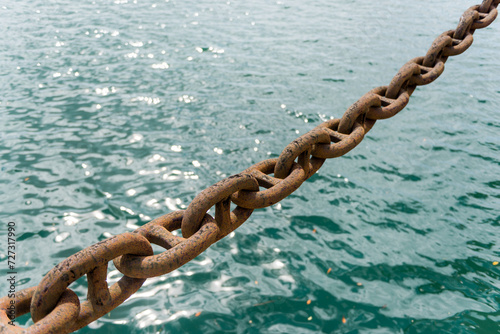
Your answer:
<point x="116" y="112"/>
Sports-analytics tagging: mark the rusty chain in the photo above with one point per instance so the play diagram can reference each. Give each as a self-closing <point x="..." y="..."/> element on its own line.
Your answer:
<point x="55" y="308"/>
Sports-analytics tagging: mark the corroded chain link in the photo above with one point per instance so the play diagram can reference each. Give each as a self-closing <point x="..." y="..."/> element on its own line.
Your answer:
<point x="56" y="309"/>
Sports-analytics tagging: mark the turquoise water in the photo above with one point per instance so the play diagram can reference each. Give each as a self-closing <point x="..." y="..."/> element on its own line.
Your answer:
<point x="116" y="112"/>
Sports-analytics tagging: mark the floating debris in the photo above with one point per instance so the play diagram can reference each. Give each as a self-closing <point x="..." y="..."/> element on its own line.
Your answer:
<point x="264" y="303"/>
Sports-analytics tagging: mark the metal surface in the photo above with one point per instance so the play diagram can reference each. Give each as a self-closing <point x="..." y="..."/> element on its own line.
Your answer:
<point x="56" y="309"/>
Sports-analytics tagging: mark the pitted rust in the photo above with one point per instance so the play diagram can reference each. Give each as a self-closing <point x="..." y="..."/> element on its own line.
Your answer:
<point x="214" y="194"/>
<point x="275" y="193"/>
<point x="56" y="309"/>
<point x="297" y="147"/>
<point x="341" y="143"/>
<point x="468" y="18"/>
<point x="173" y="258"/>
<point x="56" y="281"/>
<point x="389" y="106"/>
<point x="458" y="46"/>
<point x="359" y="110"/>
<point x="435" y="52"/>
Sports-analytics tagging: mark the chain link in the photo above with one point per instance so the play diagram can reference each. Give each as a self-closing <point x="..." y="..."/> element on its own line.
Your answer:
<point x="276" y="189"/>
<point x="179" y="250"/>
<point x="56" y="309"/>
<point x="301" y="148"/>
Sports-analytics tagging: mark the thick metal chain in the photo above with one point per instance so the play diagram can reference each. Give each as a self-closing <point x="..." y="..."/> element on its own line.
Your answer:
<point x="56" y="309"/>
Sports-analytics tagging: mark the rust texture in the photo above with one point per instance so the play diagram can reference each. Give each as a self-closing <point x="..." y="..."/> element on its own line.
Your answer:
<point x="55" y="308"/>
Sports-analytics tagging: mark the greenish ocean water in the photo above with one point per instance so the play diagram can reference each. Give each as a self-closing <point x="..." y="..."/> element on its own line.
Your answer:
<point x="116" y="112"/>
